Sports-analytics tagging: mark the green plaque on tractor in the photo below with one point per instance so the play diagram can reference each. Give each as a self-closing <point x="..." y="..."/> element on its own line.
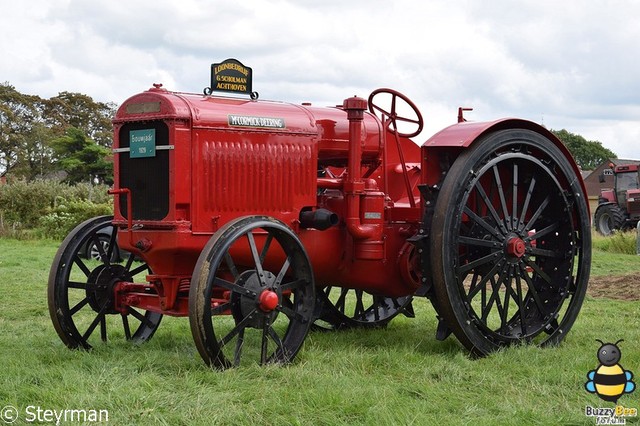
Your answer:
<point x="142" y="143"/>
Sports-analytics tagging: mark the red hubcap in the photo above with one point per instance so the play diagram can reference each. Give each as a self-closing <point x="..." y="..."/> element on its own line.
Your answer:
<point x="516" y="247"/>
<point x="268" y="300"/>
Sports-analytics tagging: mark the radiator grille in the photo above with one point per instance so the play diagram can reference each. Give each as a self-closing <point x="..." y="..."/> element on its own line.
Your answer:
<point x="147" y="178"/>
<point x="248" y="177"/>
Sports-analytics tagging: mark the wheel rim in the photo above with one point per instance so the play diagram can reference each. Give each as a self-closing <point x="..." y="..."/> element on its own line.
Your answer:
<point x="517" y="244"/>
<point x="94" y="252"/>
<point x="253" y="296"/>
<point x="605" y="223"/>
<point x="82" y="296"/>
<point x="351" y="308"/>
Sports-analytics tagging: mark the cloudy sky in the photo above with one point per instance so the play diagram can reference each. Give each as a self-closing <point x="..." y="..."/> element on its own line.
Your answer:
<point x="566" y="64"/>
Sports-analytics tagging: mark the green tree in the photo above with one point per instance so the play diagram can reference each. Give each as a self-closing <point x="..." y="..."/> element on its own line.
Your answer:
<point x="29" y="125"/>
<point x="82" y="159"/>
<point x="18" y="115"/>
<point x="82" y="112"/>
<point x="588" y="154"/>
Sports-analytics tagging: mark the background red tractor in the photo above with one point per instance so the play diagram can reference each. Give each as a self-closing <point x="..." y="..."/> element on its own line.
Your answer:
<point x="258" y="219"/>
<point x="619" y="207"/>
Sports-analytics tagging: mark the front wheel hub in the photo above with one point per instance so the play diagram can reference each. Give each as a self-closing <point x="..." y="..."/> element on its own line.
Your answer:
<point x="268" y="300"/>
<point x="101" y="284"/>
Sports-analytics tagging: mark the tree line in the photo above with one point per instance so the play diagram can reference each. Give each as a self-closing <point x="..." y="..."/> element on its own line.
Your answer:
<point x="68" y="137"/>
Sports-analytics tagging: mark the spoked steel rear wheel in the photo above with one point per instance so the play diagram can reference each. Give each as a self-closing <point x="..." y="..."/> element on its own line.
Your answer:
<point x="348" y="308"/>
<point x="511" y="243"/>
<point x="252" y="297"/>
<point x="82" y="291"/>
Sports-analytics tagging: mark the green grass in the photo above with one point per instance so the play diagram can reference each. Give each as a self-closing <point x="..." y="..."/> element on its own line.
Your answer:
<point x="399" y="375"/>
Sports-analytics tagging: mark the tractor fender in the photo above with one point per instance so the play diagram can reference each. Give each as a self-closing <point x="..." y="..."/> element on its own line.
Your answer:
<point x="452" y="140"/>
<point x="607" y="203"/>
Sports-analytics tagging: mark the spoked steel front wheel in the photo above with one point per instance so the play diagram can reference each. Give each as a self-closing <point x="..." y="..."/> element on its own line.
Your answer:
<point x="252" y="297"/>
<point x="81" y="291"/>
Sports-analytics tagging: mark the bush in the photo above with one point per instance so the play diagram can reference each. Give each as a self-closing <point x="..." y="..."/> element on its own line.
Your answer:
<point x="619" y="242"/>
<point x="27" y="206"/>
<point x="64" y="217"/>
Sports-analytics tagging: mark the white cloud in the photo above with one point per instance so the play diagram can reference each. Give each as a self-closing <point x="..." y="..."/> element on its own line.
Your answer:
<point x="569" y="64"/>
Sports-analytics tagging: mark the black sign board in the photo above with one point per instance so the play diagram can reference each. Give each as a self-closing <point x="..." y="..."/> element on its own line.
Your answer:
<point x="231" y="76"/>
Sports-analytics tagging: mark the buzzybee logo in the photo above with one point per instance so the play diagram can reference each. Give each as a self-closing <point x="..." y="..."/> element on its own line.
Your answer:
<point x="610" y="381"/>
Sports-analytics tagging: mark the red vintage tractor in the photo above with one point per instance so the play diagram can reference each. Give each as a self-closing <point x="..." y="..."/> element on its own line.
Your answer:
<point x="619" y="207"/>
<point x="259" y="219"/>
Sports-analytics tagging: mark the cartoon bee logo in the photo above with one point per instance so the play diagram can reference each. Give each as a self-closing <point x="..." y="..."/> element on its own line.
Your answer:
<point x="609" y="381"/>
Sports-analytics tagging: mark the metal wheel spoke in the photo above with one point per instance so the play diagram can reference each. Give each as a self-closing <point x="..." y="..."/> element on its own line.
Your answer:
<point x="502" y="309"/>
<point x="293" y="285"/>
<point x="486" y="309"/>
<point x="359" y="308"/>
<point x="219" y="310"/>
<point x="112" y="244"/>
<point x="462" y="270"/>
<point x="78" y="285"/>
<point x="483" y="223"/>
<point x="264" y="344"/>
<point x="473" y="287"/>
<point x="545" y="231"/>
<point x="83" y="267"/>
<point x="103" y="328"/>
<point x="544" y="253"/>
<point x="233" y="287"/>
<point x="494" y="214"/>
<point x="538" y="212"/>
<point x="143" y="267"/>
<point x="240" y="326"/>
<point x="291" y="314"/>
<point x="527" y="200"/>
<point x="532" y="291"/>
<point x="237" y="353"/>
<point x="539" y="271"/>
<point x="140" y="317"/>
<point x="130" y="260"/>
<point x="340" y="304"/>
<point x="256" y="256"/>
<point x="469" y="241"/>
<point x="265" y="248"/>
<point x="506" y="302"/>
<point x="482" y="285"/>
<point x="125" y="325"/>
<point x="503" y="200"/>
<point x="231" y="265"/>
<point x="283" y="270"/>
<point x="78" y="306"/>
<point x="377" y="304"/>
<point x="514" y="192"/>
<point x="101" y="253"/>
<point x="521" y="312"/>
<point x="274" y="336"/>
<point x="95" y="322"/>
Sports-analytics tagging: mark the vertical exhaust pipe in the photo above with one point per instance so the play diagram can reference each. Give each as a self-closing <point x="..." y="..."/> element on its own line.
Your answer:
<point x="354" y="185"/>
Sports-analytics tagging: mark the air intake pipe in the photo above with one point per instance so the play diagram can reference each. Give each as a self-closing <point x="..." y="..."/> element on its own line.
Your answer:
<point x="319" y="219"/>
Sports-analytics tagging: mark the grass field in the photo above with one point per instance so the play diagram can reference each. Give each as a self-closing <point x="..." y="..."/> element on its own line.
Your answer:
<point x="398" y="375"/>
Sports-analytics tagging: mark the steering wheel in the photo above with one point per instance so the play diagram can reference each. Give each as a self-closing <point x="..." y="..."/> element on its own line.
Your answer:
<point x="393" y="113"/>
